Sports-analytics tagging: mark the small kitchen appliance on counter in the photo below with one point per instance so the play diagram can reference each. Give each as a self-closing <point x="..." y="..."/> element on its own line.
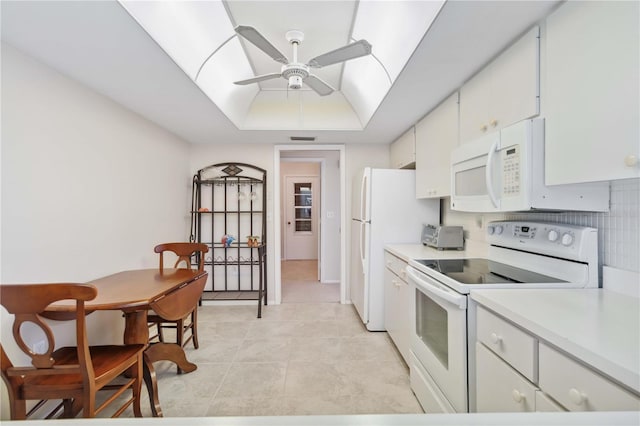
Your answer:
<point x="443" y="237"/>
<point x="521" y="255"/>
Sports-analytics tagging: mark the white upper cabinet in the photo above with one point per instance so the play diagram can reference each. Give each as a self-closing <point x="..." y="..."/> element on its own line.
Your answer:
<point x="403" y="150"/>
<point x="504" y="92"/>
<point x="591" y="92"/>
<point x="436" y="137"/>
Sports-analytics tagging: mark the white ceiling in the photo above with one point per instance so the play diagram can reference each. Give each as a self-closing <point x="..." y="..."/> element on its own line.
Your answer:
<point x="102" y="46"/>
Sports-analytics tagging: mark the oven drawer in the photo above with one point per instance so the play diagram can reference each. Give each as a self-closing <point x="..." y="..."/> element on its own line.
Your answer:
<point x="579" y="388"/>
<point x="509" y="342"/>
<point x="396" y="265"/>
<point x="430" y="397"/>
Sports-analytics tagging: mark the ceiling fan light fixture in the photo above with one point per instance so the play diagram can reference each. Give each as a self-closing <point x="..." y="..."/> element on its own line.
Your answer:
<point x="295" y="82"/>
<point x="295" y="72"/>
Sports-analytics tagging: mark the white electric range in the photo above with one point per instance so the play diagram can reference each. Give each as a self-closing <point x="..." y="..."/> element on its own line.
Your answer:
<point x="522" y="254"/>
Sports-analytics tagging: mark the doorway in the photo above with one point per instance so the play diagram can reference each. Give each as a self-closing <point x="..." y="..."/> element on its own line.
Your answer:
<point x="300" y="207"/>
<point x="321" y="279"/>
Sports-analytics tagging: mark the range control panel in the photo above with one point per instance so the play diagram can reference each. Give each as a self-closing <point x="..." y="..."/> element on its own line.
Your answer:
<point x="553" y="239"/>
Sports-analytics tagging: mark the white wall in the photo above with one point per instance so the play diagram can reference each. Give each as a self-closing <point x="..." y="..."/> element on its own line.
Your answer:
<point x="88" y="187"/>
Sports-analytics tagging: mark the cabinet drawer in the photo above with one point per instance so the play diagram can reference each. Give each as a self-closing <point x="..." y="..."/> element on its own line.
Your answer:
<point x="579" y="388"/>
<point x="499" y="387"/>
<point x="509" y="342"/>
<point x="544" y="403"/>
<point x="396" y="265"/>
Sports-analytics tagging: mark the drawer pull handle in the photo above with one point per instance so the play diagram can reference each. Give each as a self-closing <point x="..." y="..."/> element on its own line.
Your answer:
<point x="576" y="396"/>
<point x="496" y="339"/>
<point x="397" y="283"/>
<point x="403" y="273"/>
<point x="518" y="396"/>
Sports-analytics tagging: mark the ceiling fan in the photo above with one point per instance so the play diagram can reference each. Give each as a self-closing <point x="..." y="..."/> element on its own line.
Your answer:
<point x="296" y="72"/>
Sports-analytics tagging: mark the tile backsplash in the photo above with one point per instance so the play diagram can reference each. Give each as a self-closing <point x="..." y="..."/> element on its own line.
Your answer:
<point x="618" y="229"/>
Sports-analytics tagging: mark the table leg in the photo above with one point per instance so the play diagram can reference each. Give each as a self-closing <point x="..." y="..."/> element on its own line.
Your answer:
<point x="137" y="331"/>
<point x="170" y="352"/>
<point x="151" y="382"/>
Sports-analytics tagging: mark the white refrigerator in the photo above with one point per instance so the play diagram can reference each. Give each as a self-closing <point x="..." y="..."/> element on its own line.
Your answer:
<point x="384" y="210"/>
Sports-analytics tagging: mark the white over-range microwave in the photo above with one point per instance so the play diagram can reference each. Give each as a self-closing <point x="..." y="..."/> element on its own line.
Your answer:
<point x="504" y="171"/>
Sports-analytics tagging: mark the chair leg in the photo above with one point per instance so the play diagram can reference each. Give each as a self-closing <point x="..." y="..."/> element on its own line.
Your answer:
<point x="18" y="408"/>
<point x="89" y="401"/>
<point x="137" y="387"/>
<point x="194" y="328"/>
<point x="160" y="335"/>
<point x="179" y="332"/>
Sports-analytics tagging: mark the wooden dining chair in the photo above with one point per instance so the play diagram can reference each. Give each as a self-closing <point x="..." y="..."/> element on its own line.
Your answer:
<point x="73" y="374"/>
<point x="189" y="323"/>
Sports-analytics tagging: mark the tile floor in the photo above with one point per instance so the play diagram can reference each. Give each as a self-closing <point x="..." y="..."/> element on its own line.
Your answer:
<point x="300" y="283"/>
<point x="300" y="358"/>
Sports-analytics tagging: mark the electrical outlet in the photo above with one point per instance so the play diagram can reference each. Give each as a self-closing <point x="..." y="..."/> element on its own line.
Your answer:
<point x="40" y="347"/>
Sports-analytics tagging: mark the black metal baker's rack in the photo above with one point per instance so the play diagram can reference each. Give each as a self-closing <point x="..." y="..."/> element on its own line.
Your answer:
<point x="228" y="214"/>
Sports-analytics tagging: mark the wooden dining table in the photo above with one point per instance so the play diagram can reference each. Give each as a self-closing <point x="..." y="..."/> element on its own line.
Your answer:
<point x="134" y="293"/>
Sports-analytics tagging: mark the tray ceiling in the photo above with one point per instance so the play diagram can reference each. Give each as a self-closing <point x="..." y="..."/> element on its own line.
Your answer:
<point x="102" y="46"/>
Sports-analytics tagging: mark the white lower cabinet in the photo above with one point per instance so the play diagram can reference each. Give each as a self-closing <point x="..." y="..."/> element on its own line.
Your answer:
<point x="579" y="388"/>
<point x="397" y="319"/>
<point x="518" y="371"/>
<point x="544" y="403"/>
<point x="505" y="390"/>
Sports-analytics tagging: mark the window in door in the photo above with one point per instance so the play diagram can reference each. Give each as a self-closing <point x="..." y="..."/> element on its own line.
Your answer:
<point x="302" y="206"/>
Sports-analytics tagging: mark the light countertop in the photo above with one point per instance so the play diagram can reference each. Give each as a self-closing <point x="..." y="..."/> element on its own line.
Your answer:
<point x="494" y="419"/>
<point x="407" y="252"/>
<point x="597" y="326"/>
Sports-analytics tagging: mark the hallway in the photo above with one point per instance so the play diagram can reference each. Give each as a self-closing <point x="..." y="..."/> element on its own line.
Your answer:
<point x="300" y="283"/>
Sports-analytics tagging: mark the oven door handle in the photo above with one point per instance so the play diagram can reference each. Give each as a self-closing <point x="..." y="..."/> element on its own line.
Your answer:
<point x="450" y="296"/>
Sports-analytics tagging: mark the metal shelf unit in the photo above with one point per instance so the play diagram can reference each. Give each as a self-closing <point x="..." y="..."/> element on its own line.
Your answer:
<point x="228" y="206"/>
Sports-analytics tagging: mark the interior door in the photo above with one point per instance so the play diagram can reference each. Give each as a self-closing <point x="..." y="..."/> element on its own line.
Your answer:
<point x="301" y="218"/>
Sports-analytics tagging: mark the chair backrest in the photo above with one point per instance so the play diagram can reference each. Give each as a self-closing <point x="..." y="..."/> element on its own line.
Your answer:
<point x="184" y="251"/>
<point x="27" y="302"/>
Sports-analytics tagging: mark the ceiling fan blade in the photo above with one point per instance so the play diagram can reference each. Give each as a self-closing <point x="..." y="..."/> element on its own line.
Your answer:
<point x="258" y="40"/>
<point x="258" y="78"/>
<point x="344" y="53"/>
<point x="320" y="87"/>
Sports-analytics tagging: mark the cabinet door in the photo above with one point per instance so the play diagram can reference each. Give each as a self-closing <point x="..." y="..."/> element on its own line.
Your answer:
<point x="474" y="106"/>
<point x="436" y="137"/>
<point x="504" y="92"/>
<point x="515" y="88"/>
<point x="499" y="388"/>
<point x="591" y="99"/>
<point x="403" y="150"/>
<point x="397" y="320"/>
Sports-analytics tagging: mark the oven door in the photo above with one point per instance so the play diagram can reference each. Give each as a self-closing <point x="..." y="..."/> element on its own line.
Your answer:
<point x="439" y="339"/>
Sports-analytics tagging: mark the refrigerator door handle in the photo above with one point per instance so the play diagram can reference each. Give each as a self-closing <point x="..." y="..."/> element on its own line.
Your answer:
<point x="362" y="245"/>
<point x="363" y="198"/>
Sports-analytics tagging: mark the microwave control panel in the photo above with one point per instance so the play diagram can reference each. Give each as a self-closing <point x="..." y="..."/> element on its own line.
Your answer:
<point x="511" y="171"/>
